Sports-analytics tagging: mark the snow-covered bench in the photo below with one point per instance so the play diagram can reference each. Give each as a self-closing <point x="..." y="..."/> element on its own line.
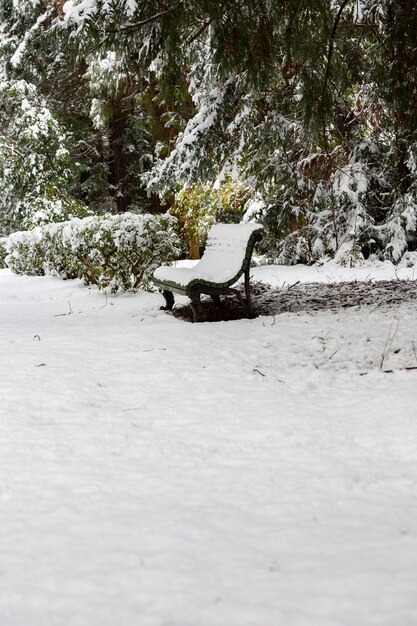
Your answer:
<point x="227" y="256"/>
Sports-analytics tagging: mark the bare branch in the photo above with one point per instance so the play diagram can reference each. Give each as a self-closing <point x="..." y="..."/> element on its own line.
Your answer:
<point x="131" y="28"/>
<point x="200" y="31"/>
<point x="12" y="149"/>
<point x="328" y="63"/>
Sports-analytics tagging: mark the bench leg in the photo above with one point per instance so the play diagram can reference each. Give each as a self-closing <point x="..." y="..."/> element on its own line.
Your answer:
<point x="239" y="297"/>
<point x="247" y="294"/>
<point x="169" y="300"/>
<point x="217" y="301"/>
<point x="196" y="306"/>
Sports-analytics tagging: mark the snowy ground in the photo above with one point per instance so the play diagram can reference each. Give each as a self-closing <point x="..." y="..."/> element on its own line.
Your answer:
<point x="248" y="473"/>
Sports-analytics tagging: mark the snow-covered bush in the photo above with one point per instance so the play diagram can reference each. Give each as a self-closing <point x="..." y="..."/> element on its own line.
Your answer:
<point x="343" y="206"/>
<point x="116" y="252"/>
<point x="399" y="231"/>
<point x="25" y="252"/>
<point x="340" y="222"/>
<point x="3" y="252"/>
<point x="36" y="166"/>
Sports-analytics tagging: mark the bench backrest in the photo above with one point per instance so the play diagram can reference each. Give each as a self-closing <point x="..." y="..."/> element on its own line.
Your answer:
<point x="228" y="251"/>
<point x="227" y="255"/>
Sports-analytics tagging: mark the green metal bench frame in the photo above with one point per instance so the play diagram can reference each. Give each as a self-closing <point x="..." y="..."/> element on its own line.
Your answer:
<point x="197" y="286"/>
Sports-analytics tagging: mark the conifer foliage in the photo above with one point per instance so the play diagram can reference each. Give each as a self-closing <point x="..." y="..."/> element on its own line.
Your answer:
<point x="310" y="106"/>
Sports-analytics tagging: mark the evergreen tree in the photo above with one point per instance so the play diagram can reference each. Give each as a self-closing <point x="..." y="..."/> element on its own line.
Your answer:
<point x="308" y="102"/>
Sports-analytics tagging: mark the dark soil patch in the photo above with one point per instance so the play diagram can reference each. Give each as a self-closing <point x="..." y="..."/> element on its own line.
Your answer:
<point x="306" y="297"/>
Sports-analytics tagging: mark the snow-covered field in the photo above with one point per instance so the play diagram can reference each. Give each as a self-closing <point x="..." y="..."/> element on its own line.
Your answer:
<point x="249" y="473"/>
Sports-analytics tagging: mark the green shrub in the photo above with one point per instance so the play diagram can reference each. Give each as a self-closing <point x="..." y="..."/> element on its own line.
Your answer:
<point x="25" y="252"/>
<point x="116" y="252"/>
<point x="198" y="207"/>
<point x="3" y="252"/>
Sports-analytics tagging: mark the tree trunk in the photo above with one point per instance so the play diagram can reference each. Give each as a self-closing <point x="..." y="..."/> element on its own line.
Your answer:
<point x="194" y="247"/>
<point x="117" y="164"/>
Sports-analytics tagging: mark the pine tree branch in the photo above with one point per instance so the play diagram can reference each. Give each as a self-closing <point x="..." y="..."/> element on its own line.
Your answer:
<point x="131" y="28"/>
<point x="16" y="58"/>
<point x="12" y="149"/>
<point x="200" y="31"/>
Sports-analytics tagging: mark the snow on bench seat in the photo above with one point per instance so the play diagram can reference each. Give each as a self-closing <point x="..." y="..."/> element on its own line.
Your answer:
<point x="223" y="261"/>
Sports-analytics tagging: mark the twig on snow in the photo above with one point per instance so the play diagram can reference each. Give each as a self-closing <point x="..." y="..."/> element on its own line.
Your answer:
<point x="70" y="311"/>
<point x="153" y="349"/>
<point x="401" y="369"/>
<point x="390" y="338"/>
<point x="414" y="350"/>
